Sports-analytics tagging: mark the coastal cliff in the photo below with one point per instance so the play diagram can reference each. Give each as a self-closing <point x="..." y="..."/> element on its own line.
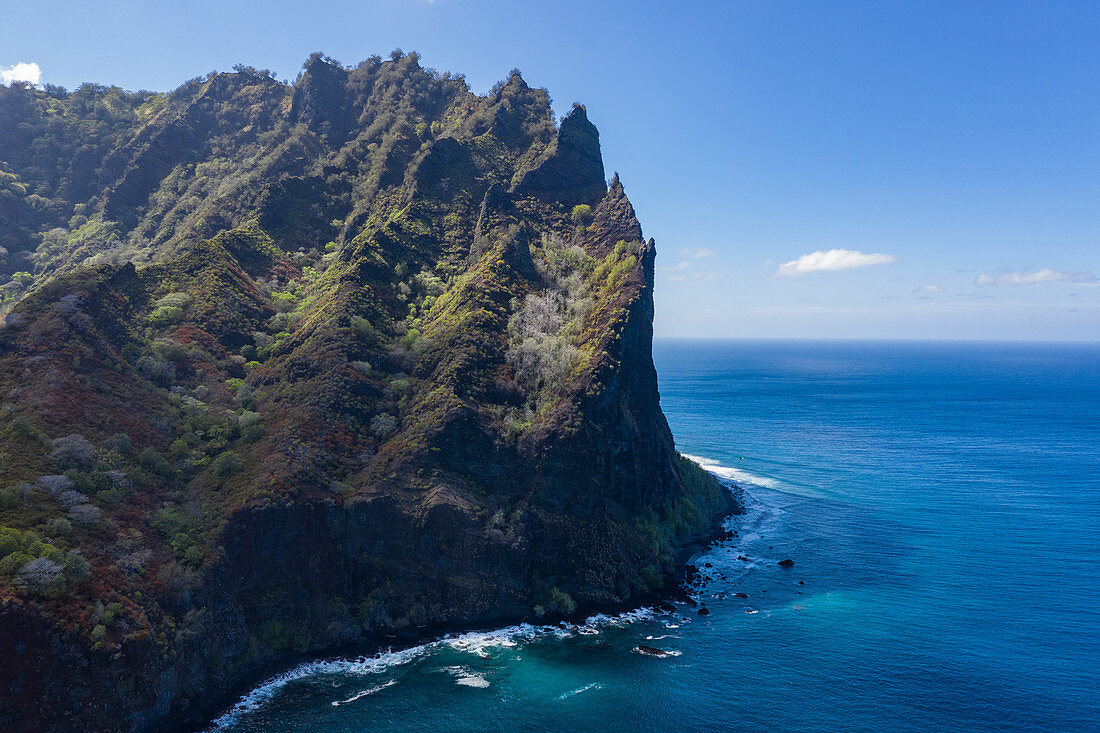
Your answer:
<point x="289" y="368"/>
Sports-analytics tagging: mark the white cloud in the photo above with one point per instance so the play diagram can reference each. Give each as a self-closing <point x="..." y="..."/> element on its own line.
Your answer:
<point x="677" y="278"/>
<point x="678" y="266"/>
<point x="1045" y="275"/>
<point x="21" y="72"/>
<point x="928" y="289"/>
<point x="832" y="260"/>
<point x="696" y="253"/>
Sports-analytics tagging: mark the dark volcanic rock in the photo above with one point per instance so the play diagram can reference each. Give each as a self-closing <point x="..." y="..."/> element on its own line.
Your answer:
<point x="571" y="170"/>
<point x="295" y="323"/>
<point x="788" y="563"/>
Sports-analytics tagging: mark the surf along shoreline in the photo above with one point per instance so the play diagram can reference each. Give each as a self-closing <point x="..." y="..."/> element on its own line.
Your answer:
<point x="676" y="587"/>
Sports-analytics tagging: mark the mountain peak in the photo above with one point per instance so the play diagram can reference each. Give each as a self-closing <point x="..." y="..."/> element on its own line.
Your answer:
<point x="311" y="358"/>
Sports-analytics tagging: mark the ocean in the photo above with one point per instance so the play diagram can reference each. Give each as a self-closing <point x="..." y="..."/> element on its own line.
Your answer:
<point x="941" y="504"/>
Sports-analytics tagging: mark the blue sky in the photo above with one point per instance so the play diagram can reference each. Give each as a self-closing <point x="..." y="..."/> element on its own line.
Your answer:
<point x="855" y="170"/>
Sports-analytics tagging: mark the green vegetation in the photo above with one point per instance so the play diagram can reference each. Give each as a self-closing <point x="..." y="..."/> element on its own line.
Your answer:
<point x="39" y="566"/>
<point x="582" y="214"/>
<point x="286" y="366"/>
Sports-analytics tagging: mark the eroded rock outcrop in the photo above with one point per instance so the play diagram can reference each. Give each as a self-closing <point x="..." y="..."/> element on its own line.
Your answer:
<point x="355" y="360"/>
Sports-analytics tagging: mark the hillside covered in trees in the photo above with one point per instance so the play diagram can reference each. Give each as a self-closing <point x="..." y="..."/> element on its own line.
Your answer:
<point x="286" y="368"/>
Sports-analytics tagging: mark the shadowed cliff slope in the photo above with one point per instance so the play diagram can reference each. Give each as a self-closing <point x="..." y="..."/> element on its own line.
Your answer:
<point x="287" y="368"/>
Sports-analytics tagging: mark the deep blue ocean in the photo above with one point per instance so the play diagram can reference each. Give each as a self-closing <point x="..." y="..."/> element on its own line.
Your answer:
<point x="941" y="502"/>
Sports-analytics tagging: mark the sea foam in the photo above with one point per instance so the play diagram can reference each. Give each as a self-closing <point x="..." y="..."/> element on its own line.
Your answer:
<point x="729" y="473"/>
<point x="479" y="643"/>
<point x="256" y="698"/>
<point x="579" y="690"/>
<point x="364" y="693"/>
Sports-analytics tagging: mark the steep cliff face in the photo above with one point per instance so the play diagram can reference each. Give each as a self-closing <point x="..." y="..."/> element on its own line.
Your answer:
<point x="339" y="363"/>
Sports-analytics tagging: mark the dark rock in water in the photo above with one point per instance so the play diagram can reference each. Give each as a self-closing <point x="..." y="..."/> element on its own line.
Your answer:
<point x="786" y="563"/>
<point x="691" y="602"/>
<point x="802" y="582"/>
<point x="653" y="652"/>
<point x="666" y="607"/>
<point x="704" y="611"/>
<point x="742" y="558"/>
<point x="708" y="565"/>
<point x="740" y="595"/>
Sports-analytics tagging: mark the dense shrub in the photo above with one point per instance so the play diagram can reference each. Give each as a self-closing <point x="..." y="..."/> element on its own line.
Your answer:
<point x="165" y="315"/>
<point x="85" y="514"/>
<point x="153" y="461"/>
<point x="582" y="214"/>
<point x="383" y="425"/>
<point x="226" y="464"/>
<point x="55" y="484"/>
<point x="73" y="451"/>
<point x="70" y="498"/>
<point x="41" y="574"/>
<point x="38" y="566"/>
<point x="542" y="352"/>
<point x="119" y="443"/>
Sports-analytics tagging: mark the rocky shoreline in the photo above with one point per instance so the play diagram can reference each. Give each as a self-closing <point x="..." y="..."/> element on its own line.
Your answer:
<point x="676" y="589"/>
<point x="394" y="382"/>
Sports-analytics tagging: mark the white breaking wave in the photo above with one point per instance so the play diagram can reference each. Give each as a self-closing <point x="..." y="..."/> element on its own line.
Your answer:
<point x="467" y="677"/>
<point x="579" y="690"/>
<point x="255" y="699"/>
<point x="364" y="693"/>
<point x="472" y="680"/>
<point x="732" y="474"/>
<point x="622" y="619"/>
<point x="479" y="643"/>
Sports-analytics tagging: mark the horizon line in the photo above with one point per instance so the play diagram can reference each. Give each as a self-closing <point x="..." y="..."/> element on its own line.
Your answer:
<point x="893" y="339"/>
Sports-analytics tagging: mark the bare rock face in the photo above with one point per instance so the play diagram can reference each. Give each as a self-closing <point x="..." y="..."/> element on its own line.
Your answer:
<point x="320" y="366"/>
<point x="570" y="171"/>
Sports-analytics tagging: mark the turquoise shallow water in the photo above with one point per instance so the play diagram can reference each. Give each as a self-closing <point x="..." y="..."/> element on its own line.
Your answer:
<point x="942" y="506"/>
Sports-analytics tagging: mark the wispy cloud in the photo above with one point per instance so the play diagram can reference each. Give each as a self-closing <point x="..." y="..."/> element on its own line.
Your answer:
<point x="678" y="266"/>
<point x="927" y="289"/>
<point x="22" y="71"/>
<point x="696" y="253"/>
<point x="1039" y="277"/>
<point x="832" y="260"/>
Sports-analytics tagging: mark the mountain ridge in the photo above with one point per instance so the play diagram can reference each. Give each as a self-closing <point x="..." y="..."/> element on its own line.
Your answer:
<point x="309" y="366"/>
